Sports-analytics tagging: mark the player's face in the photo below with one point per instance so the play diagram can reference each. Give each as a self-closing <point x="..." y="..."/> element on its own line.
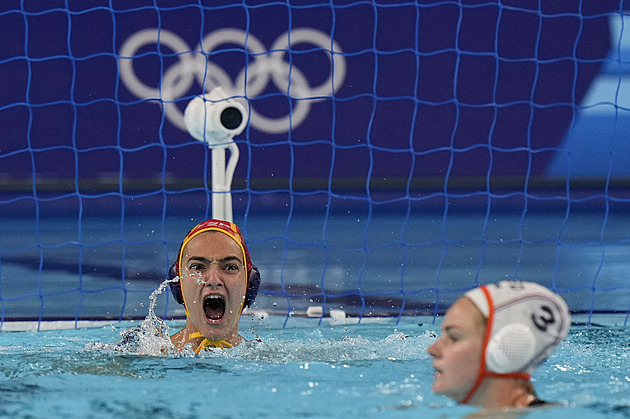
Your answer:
<point x="213" y="285"/>
<point x="457" y="353"/>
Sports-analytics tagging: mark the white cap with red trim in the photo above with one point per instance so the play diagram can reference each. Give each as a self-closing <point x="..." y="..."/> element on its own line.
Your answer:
<point x="527" y="323"/>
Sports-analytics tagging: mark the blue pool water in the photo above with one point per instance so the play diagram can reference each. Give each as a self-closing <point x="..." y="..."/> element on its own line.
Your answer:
<point x="327" y="369"/>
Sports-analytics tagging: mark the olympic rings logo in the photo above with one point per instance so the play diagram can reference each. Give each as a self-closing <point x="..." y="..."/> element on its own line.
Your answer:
<point x="265" y="67"/>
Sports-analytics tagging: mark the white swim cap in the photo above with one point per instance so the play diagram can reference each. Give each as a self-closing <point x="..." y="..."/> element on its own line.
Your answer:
<point x="526" y="322"/>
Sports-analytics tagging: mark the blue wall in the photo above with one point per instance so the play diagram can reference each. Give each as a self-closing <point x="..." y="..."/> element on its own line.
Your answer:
<point x="425" y="89"/>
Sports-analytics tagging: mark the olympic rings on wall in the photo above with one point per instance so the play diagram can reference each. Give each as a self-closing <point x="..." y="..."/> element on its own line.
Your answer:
<point x="266" y="67"/>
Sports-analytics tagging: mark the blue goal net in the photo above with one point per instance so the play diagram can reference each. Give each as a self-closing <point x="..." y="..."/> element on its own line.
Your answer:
<point x="395" y="154"/>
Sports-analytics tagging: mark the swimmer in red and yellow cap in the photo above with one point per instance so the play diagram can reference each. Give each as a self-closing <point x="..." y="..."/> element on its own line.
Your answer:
<point x="216" y="281"/>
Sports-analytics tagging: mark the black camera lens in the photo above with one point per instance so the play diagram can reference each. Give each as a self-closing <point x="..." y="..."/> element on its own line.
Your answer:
<point x="231" y="118"/>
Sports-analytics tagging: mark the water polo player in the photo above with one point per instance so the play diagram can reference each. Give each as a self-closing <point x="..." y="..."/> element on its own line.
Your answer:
<point x="216" y="281"/>
<point x="493" y="339"/>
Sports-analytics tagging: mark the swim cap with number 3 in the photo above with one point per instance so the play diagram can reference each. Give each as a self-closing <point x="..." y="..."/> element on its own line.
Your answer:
<point x="527" y="322"/>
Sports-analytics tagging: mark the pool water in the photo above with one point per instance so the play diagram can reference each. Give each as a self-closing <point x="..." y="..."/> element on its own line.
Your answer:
<point x="331" y="367"/>
<point x="317" y="368"/>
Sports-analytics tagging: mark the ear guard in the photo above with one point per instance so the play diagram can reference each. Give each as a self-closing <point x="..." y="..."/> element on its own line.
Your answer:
<point x="232" y="231"/>
<point x="510" y="349"/>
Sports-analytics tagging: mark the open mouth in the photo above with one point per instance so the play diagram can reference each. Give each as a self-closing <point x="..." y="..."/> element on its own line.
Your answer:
<point x="214" y="307"/>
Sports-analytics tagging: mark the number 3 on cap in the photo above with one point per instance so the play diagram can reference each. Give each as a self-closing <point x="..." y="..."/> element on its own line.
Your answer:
<point x="544" y="319"/>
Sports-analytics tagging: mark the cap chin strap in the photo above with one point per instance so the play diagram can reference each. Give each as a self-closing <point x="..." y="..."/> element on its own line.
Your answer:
<point x="483" y="371"/>
<point x="207" y="343"/>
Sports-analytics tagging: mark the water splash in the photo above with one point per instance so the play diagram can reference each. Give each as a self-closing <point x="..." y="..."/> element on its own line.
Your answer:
<point x="196" y="276"/>
<point x="393" y="347"/>
<point x="150" y="337"/>
<point x="152" y="320"/>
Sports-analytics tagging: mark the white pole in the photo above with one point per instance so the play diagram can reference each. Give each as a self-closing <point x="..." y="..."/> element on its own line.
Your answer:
<point x="229" y="174"/>
<point x="219" y="188"/>
<point x="222" y="176"/>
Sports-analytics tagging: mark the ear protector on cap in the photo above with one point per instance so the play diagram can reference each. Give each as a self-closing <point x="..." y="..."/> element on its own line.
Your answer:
<point x="510" y="349"/>
<point x="231" y="230"/>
